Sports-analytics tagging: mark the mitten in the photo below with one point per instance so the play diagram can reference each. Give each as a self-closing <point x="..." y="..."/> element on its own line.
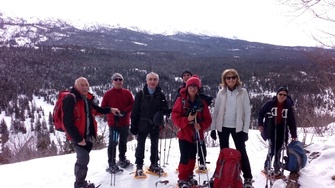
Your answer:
<point x="213" y="134"/>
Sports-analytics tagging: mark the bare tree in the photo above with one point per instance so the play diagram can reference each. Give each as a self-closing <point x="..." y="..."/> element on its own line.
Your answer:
<point x="321" y="12"/>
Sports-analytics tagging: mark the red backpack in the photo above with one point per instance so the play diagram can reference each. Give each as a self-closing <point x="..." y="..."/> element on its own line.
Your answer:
<point x="58" y="110"/>
<point x="228" y="169"/>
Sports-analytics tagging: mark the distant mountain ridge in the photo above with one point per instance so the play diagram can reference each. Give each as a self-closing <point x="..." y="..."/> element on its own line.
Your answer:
<point x="59" y="33"/>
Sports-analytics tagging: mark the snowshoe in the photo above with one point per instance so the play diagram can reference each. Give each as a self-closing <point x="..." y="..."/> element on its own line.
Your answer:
<point x="113" y="169"/>
<point x="156" y="170"/>
<point x="201" y="169"/>
<point x="124" y="164"/>
<point x="139" y="174"/>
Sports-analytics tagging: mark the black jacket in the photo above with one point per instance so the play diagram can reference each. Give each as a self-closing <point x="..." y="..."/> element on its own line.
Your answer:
<point x="145" y="106"/>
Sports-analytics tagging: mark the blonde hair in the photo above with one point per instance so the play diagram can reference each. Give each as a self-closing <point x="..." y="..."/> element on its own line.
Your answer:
<point x="224" y="74"/>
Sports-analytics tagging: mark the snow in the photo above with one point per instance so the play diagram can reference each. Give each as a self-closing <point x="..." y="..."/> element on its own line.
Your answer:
<point x="57" y="171"/>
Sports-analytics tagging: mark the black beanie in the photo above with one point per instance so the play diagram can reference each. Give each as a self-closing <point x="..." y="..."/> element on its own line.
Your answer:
<point x="186" y="71"/>
<point x="282" y="89"/>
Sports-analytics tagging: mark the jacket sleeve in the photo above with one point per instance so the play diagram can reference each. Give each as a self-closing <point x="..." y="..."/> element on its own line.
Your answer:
<point x="106" y="110"/>
<point x="177" y="115"/>
<point x="206" y="117"/>
<point x="261" y="114"/>
<point x="247" y="112"/>
<point x="105" y="100"/>
<point x="130" y="100"/>
<point x="135" y="114"/>
<point x="68" y="118"/>
<point x="215" y="111"/>
<point x="292" y="123"/>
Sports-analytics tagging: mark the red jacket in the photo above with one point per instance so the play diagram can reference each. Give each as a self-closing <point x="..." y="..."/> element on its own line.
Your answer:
<point x="74" y="116"/>
<point x="121" y="99"/>
<point x="179" y="117"/>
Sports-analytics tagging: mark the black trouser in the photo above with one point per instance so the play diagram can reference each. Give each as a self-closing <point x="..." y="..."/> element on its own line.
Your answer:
<point x="139" y="153"/>
<point x="117" y="135"/>
<point x="188" y="151"/>
<point x="277" y="141"/>
<point x="80" y="167"/>
<point x="240" y="146"/>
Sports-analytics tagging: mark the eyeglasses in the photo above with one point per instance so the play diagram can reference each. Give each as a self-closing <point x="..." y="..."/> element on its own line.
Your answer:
<point x="118" y="79"/>
<point x="193" y="87"/>
<point x="282" y="94"/>
<point x="230" y="77"/>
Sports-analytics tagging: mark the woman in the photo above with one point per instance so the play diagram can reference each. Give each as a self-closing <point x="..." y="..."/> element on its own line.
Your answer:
<point x="191" y="115"/>
<point x="273" y="119"/>
<point x="231" y="116"/>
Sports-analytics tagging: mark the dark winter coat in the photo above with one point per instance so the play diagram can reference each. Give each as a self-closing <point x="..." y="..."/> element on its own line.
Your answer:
<point x="145" y="107"/>
<point x="180" y="111"/>
<point x="74" y="116"/>
<point x="268" y="108"/>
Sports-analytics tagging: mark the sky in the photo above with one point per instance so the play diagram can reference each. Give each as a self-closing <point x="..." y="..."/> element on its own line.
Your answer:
<point x="57" y="171"/>
<point x="265" y="21"/>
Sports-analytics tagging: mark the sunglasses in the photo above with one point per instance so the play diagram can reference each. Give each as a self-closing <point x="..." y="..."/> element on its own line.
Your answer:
<point x="281" y="94"/>
<point x="230" y="77"/>
<point x="118" y="79"/>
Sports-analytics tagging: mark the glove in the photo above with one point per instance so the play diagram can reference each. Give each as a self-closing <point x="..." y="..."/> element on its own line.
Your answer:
<point x="213" y="134"/>
<point x="244" y="136"/>
<point x="88" y="147"/>
<point x="133" y="130"/>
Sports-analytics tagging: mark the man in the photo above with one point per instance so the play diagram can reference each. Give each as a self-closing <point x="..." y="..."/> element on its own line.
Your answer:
<point x="123" y="100"/>
<point x="147" y="119"/>
<point x="80" y="125"/>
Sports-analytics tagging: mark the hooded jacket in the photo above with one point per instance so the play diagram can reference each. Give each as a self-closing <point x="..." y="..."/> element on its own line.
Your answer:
<point x="180" y="111"/>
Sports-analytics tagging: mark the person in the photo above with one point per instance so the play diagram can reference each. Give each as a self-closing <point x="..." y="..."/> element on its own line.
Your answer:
<point x="79" y="111"/>
<point x="122" y="99"/>
<point x="186" y="74"/>
<point x="231" y="116"/>
<point x="274" y="117"/>
<point x="147" y="119"/>
<point x="191" y="115"/>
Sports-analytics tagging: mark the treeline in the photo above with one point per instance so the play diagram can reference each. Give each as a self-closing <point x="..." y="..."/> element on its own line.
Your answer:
<point x="42" y="72"/>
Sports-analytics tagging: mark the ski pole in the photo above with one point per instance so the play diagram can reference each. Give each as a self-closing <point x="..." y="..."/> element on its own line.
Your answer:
<point x="164" y="146"/>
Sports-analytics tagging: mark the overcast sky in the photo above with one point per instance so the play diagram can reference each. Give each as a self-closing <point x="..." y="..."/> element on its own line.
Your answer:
<point x="253" y="20"/>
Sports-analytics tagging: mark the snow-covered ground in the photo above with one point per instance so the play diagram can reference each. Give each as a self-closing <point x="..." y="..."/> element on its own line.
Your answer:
<point x="57" y="171"/>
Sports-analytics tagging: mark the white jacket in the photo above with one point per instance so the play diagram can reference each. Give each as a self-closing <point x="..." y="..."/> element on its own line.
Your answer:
<point x="243" y="110"/>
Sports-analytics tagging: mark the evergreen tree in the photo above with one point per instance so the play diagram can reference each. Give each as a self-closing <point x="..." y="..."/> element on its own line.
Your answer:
<point x="4" y="132"/>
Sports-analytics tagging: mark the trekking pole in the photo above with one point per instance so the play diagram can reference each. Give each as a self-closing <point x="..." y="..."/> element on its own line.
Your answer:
<point x="202" y="151"/>
<point x="202" y="154"/>
<point x="164" y="147"/>
<point x="160" y="149"/>
<point x="115" y="135"/>
<point x="172" y="132"/>
<point x="284" y="144"/>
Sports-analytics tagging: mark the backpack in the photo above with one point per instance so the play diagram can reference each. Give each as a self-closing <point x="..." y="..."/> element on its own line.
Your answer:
<point x="296" y="157"/>
<point x="57" y="115"/>
<point x="228" y="169"/>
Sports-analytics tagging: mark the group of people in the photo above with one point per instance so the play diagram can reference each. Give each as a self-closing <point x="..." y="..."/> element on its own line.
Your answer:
<point x="143" y="115"/>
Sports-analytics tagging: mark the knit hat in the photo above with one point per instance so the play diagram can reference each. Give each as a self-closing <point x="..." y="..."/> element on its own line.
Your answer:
<point x="186" y="71"/>
<point x="194" y="80"/>
<point x="282" y="89"/>
<point x="115" y="75"/>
